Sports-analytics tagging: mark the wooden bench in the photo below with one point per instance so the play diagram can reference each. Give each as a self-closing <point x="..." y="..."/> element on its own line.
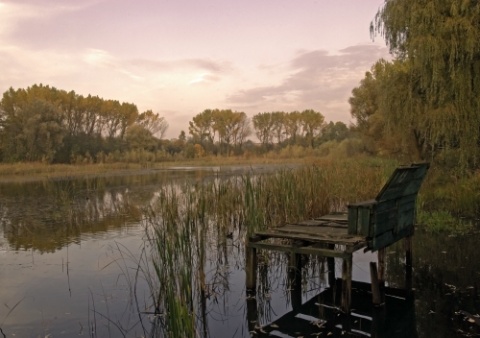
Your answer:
<point x="370" y="225"/>
<point x="391" y="215"/>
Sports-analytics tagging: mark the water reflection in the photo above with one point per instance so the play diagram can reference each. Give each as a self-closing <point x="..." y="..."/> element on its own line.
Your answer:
<point x="75" y="259"/>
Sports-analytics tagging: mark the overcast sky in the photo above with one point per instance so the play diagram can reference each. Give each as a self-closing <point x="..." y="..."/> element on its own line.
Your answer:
<point x="180" y="57"/>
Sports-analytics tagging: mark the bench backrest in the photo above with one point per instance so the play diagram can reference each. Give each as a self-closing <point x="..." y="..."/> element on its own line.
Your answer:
<point x="391" y="215"/>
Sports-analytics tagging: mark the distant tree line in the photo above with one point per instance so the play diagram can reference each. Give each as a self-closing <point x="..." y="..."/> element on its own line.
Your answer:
<point x="42" y="123"/>
<point x="226" y="132"/>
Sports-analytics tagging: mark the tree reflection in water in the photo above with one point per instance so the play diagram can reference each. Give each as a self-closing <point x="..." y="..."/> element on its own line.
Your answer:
<point x="162" y="254"/>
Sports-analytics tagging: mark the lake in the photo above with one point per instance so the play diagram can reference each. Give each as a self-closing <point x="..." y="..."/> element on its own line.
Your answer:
<point x="76" y="260"/>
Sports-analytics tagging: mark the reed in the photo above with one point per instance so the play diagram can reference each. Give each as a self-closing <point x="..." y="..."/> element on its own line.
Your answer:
<point x="186" y="218"/>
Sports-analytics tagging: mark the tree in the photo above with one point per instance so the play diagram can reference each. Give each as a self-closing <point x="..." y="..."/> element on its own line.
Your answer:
<point x="382" y="118"/>
<point x="44" y="123"/>
<point x="201" y="127"/>
<point x="263" y="125"/>
<point x="312" y="123"/>
<point x="337" y="131"/>
<point x="292" y="126"/>
<point x="438" y="42"/>
<point x="140" y="138"/>
<point x="278" y="128"/>
<point x="154" y="123"/>
<point x="33" y="133"/>
<point x="231" y="127"/>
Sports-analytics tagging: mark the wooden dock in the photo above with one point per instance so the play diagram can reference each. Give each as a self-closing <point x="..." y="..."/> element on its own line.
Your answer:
<point x="371" y="225"/>
<point x="317" y="317"/>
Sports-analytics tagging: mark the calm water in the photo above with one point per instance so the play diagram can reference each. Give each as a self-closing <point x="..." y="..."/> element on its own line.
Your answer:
<point x="70" y="251"/>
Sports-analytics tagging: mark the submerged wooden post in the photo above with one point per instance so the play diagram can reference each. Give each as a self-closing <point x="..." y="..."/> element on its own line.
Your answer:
<point x="408" y="265"/>
<point x="251" y="265"/>
<point x="382" y="254"/>
<point x="252" y="312"/>
<point x="331" y="267"/>
<point x="376" y="295"/>
<point x="346" y="283"/>
<point x="295" y="276"/>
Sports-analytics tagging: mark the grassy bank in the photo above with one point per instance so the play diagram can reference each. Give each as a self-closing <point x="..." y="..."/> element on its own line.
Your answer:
<point x="446" y="201"/>
<point x="37" y="170"/>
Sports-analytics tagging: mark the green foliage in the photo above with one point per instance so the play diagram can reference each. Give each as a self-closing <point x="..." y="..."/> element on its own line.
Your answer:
<point x="42" y="123"/>
<point x="226" y="127"/>
<point x="154" y="123"/>
<point x="383" y="120"/>
<point x="306" y="128"/>
<point x="451" y="191"/>
<point x="443" y="222"/>
<point x="437" y="102"/>
<point x="32" y="133"/>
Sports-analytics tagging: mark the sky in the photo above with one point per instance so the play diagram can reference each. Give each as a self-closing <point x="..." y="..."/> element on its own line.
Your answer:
<point x="180" y="57"/>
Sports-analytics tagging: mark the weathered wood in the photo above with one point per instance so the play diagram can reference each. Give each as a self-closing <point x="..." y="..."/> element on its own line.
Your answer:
<point x="388" y="217"/>
<point x="251" y="264"/>
<point x="360" y="218"/>
<point x="336" y="217"/>
<point x="322" y="234"/>
<point x="346" y="284"/>
<point x="295" y="278"/>
<point x="373" y="225"/>
<point x="388" y="238"/>
<point x="408" y="265"/>
<point x="382" y="255"/>
<point x="305" y="250"/>
<point x="375" y="285"/>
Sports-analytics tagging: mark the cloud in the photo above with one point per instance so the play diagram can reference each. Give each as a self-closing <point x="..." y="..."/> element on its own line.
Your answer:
<point x="168" y="65"/>
<point x="204" y="78"/>
<point x="314" y="79"/>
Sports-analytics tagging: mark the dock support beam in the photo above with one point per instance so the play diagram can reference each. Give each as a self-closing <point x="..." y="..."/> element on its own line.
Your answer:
<point x="251" y="265"/>
<point x="346" y="283"/>
<point x="295" y="279"/>
<point x="382" y="255"/>
<point x="408" y="265"/>
<point x="376" y="295"/>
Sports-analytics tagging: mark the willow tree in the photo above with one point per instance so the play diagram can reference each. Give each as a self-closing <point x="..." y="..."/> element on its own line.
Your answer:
<point x="377" y="105"/>
<point x="438" y="39"/>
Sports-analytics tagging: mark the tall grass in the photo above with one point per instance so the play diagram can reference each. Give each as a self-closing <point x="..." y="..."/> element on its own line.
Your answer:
<point x="184" y="220"/>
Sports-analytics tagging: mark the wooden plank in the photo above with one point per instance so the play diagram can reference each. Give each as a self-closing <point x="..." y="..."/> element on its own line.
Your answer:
<point x="321" y="232"/>
<point x="317" y="239"/>
<point x="337" y="217"/>
<point x="352" y="220"/>
<point x="383" y="240"/>
<point x="312" y="222"/>
<point x="404" y="181"/>
<point x="304" y="250"/>
<point x="360" y="217"/>
<point x="388" y="238"/>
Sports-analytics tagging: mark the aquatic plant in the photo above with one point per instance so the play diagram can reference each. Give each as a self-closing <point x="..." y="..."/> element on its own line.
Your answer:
<point x="185" y="220"/>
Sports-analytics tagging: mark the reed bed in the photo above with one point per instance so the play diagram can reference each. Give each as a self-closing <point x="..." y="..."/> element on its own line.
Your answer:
<point x="184" y="221"/>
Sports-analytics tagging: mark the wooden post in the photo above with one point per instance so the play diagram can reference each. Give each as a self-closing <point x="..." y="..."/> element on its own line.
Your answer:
<point x="331" y="267"/>
<point x="382" y="254"/>
<point x="295" y="276"/>
<point x="376" y="296"/>
<point x="408" y="265"/>
<point x="252" y="312"/>
<point x="251" y="265"/>
<point x="346" y="283"/>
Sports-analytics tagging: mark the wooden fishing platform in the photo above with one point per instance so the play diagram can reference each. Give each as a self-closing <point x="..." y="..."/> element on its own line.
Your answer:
<point x="317" y="317"/>
<point x="370" y="225"/>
